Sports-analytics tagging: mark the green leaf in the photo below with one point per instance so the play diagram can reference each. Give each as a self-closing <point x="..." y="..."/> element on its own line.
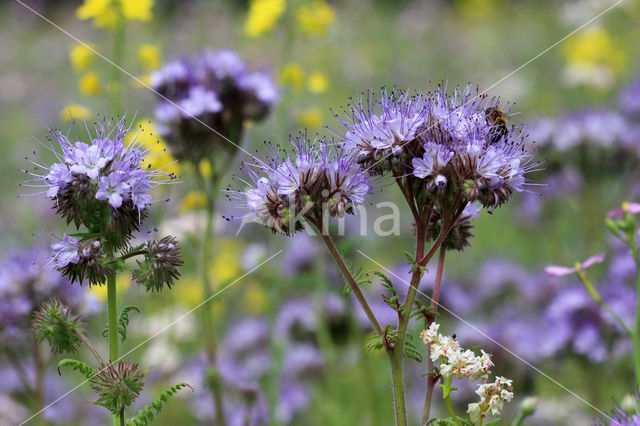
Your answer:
<point x="410" y="349"/>
<point x="492" y="422"/>
<point x="449" y="421"/>
<point x="76" y="365"/>
<point x="147" y="414"/>
<point x="123" y="322"/>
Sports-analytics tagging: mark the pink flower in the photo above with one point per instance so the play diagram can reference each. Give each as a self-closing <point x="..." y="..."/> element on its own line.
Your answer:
<point x="559" y="271"/>
<point x="632" y="208"/>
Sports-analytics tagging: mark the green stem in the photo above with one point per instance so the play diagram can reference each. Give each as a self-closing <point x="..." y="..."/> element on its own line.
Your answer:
<point x="519" y="419"/>
<point x="208" y="326"/>
<point x="636" y="328"/>
<point x="355" y="288"/>
<point x="112" y="312"/>
<point x="397" y="380"/>
<point x="435" y="298"/>
<point x="446" y="394"/>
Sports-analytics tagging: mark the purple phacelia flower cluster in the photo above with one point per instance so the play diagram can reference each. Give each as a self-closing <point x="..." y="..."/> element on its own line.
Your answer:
<point x="449" y="142"/>
<point x="283" y="190"/>
<point x="107" y="172"/>
<point x="211" y="90"/>
<point x="103" y="187"/>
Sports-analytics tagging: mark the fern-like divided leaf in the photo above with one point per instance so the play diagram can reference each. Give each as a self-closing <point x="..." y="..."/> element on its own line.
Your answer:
<point x="76" y="365"/>
<point x="410" y="349"/>
<point x="147" y="414"/>
<point x="123" y="322"/>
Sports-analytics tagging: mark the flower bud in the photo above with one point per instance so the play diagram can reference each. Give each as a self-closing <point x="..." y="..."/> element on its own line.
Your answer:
<point x="55" y="323"/>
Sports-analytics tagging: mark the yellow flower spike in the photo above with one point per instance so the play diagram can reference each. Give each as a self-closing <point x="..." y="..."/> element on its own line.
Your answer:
<point x="193" y="200"/>
<point x="103" y="12"/>
<point x="292" y="75"/>
<point x="159" y="155"/>
<point x="149" y="56"/>
<point x="206" y="170"/>
<point x="255" y="299"/>
<point x="137" y="9"/>
<point x="315" y="18"/>
<point x="318" y="82"/>
<point x="123" y="282"/>
<point x="89" y="84"/>
<point x="75" y="112"/>
<point x="310" y="118"/>
<point x="263" y="16"/>
<point x="625" y="206"/>
<point x="81" y="56"/>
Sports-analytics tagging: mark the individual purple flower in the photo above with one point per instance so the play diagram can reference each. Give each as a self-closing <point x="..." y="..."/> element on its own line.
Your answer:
<point x="113" y="189"/>
<point x="65" y="251"/>
<point x="558" y="271"/>
<point x="633" y="208"/>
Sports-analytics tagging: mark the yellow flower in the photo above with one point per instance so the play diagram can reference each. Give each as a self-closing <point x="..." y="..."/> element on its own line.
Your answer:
<point x="159" y="155"/>
<point x="255" y="299"/>
<point x="75" y="112"/>
<point x="206" y="170"/>
<point x="310" y="117"/>
<point x="103" y="13"/>
<point x="110" y="13"/>
<point x="318" y="82"/>
<point x="89" y="84"/>
<point x="315" y="18"/>
<point x="292" y="75"/>
<point x="123" y="282"/>
<point x="81" y="56"/>
<point x="137" y="9"/>
<point x="263" y="16"/>
<point x="226" y="264"/>
<point x="193" y="200"/>
<point x="149" y="56"/>
<point x="594" y="47"/>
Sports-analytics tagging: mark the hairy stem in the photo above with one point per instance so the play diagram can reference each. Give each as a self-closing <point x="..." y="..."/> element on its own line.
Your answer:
<point x="112" y="312"/>
<point x="432" y="379"/>
<point x="355" y="288"/>
<point x="447" y="388"/>
<point x="90" y="346"/>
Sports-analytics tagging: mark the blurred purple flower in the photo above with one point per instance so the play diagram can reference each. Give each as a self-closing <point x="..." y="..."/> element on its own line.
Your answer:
<point x="633" y="208"/>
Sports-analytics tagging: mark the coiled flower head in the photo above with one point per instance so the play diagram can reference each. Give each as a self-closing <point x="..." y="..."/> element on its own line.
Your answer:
<point x="160" y="265"/>
<point x="81" y="260"/>
<point x="55" y="323"/>
<point x="211" y="90"/>
<point x="118" y="385"/>
<point x="447" y="142"/>
<point x="102" y="185"/>
<point x="283" y="190"/>
<point x="460" y="234"/>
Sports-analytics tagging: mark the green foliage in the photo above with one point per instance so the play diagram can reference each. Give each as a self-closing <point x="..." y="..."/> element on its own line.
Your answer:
<point x="360" y="277"/>
<point x="123" y="322"/>
<point x="390" y="336"/>
<point x="392" y="300"/>
<point x="77" y="365"/>
<point x="414" y="264"/>
<point x="147" y="414"/>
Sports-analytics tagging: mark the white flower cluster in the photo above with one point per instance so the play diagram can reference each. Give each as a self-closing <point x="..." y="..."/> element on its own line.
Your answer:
<point x="454" y="360"/>
<point x="459" y="362"/>
<point x="492" y="398"/>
